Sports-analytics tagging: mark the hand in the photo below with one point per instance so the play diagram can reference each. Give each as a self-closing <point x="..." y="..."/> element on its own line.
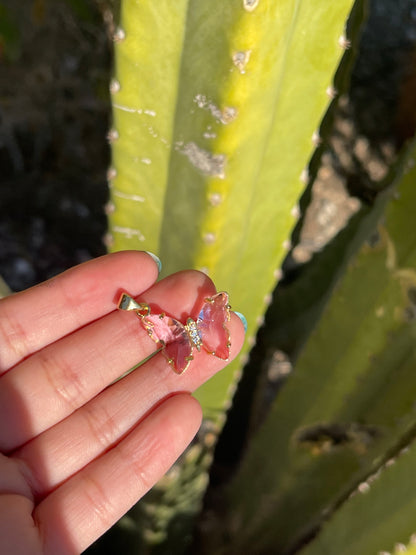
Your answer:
<point x="75" y="454"/>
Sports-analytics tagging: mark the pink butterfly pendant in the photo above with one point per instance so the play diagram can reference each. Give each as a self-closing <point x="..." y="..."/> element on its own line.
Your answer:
<point x="178" y="340"/>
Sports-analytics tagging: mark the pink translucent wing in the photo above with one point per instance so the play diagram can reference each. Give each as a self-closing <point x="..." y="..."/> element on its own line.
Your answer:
<point x="173" y="336"/>
<point x="179" y="353"/>
<point x="212" y="325"/>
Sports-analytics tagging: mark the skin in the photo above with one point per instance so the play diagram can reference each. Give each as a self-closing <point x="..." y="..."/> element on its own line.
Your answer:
<point x="75" y="451"/>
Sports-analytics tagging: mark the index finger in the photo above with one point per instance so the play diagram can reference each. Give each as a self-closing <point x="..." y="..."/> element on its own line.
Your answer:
<point x="32" y="319"/>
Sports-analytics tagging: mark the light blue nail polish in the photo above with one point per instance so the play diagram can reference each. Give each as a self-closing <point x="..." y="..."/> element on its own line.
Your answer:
<point x="243" y="319"/>
<point x="156" y="259"/>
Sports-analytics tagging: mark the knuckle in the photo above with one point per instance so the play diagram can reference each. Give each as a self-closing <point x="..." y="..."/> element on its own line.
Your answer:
<point x="14" y="339"/>
<point x="102" y="424"/>
<point x="99" y="501"/>
<point x="142" y="461"/>
<point x="64" y="379"/>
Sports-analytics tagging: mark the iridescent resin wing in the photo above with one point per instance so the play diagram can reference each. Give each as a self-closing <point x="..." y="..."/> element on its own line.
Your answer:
<point x="173" y="337"/>
<point x="212" y="325"/>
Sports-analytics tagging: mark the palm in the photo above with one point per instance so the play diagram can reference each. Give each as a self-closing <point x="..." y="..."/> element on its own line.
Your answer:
<point x="78" y="454"/>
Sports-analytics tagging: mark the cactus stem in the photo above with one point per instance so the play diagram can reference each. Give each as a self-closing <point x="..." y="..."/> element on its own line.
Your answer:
<point x="127" y="109"/>
<point x="215" y="199"/>
<point x="250" y="5"/>
<point x="111" y="173"/>
<point x="119" y="35"/>
<point x="287" y="245"/>
<point x="295" y="212"/>
<point x="240" y="60"/>
<point x="114" y="86"/>
<point x="129" y="232"/>
<point x="344" y="43"/>
<point x="260" y="320"/>
<point x="204" y="161"/>
<point x="331" y="92"/>
<point x="127" y="196"/>
<point x="364" y="487"/>
<point x="316" y="138"/>
<point x="278" y="274"/>
<point x="209" y="238"/>
<point x="113" y="136"/>
<point x="244" y="359"/>
<point x="109" y="208"/>
<point x="130" y="110"/>
<point x="304" y="176"/>
<point x="225" y="116"/>
<point x="251" y="341"/>
<point x="152" y="132"/>
<point x="108" y="240"/>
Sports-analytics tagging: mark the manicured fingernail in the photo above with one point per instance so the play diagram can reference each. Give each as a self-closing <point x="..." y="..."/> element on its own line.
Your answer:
<point x="156" y="259"/>
<point x="243" y="319"/>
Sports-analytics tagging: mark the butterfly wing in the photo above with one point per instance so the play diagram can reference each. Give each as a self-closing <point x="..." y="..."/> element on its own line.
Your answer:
<point x="212" y="325"/>
<point x="172" y="336"/>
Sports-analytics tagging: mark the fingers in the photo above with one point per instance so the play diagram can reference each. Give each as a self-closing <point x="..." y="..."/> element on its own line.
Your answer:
<point x="60" y="452"/>
<point x="43" y="314"/>
<point x="67" y="374"/>
<point x="80" y="510"/>
<point x="97" y="450"/>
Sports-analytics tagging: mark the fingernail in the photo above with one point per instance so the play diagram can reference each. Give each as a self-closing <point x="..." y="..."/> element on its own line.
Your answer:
<point x="156" y="259"/>
<point x="243" y="319"/>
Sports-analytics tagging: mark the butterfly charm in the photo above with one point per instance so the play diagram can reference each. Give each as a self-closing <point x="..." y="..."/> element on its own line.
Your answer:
<point x="209" y="330"/>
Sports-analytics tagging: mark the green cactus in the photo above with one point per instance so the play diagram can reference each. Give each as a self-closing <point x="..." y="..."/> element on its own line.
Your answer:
<point x="217" y="108"/>
<point x="378" y="518"/>
<point x="349" y="405"/>
<point x="212" y="133"/>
